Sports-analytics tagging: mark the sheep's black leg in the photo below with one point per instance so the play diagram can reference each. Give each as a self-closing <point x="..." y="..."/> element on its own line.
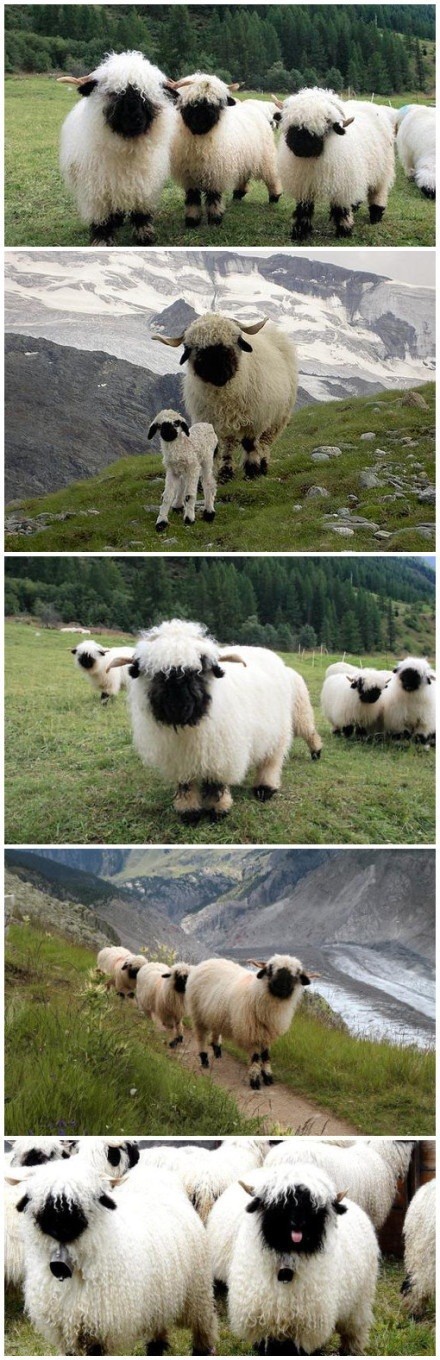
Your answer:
<point x="241" y="191"/>
<point x="216" y="799"/>
<point x="193" y="208"/>
<point x="254" y="1072"/>
<point x="427" y="193"/>
<point x="214" y="208"/>
<point x="302" y="225"/>
<point x="103" y="233"/>
<point x="104" y="697"/>
<point x="376" y="213"/>
<point x="343" y="220"/>
<point x="253" y="464"/>
<point x="95" y="1350"/>
<point x="204" y="1058"/>
<point x="159" y="1346"/>
<point x="266" y="1070"/>
<point x="217" y="1050"/>
<point x="348" y="731"/>
<point x="143" y="228"/>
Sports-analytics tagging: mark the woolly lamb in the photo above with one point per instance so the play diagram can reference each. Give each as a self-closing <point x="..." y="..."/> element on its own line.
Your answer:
<point x="367" y="1170"/>
<point x="219" y="145"/>
<point x="125" y="974"/>
<point x="152" y="1248"/>
<point x="110" y="1156"/>
<point x="419" y="1233"/>
<point x="188" y="457"/>
<point x="332" y="150"/>
<point x="32" y="1151"/>
<point x="115" y="145"/>
<point x="93" y="659"/>
<point x="409" y="701"/>
<point x="197" y="731"/>
<point x="304" y="1265"/>
<point x="246" y="389"/>
<point x="25" y="1160"/>
<point x="267" y="107"/>
<point x="354" y="702"/>
<point x="160" y="993"/>
<point x="253" y="1009"/>
<point x="416" y="145"/>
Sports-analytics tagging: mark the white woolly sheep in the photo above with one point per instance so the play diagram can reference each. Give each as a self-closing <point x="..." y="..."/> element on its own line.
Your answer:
<point x="246" y="389"/>
<point x="93" y="660"/>
<point x="304" y="1265"/>
<point x="115" y="145"/>
<point x="267" y="107"/>
<point x="152" y="1248"/>
<point x="419" y="1233"/>
<point x="342" y="668"/>
<point x="109" y="1156"/>
<point x="334" y="150"/>
<point x="197" y="731"/>
<point x="416" y="145"/>
<point x="125" y="974"/>
<point x="409" y="701"/>
<point x="352" y="703"/>
<point x="110" y="956"/>
<point x="218" y="146"/>
<point x="35" y="1151"/>
<point x="252" y="1009"/>
<point x="188" y="457"/>
<point x="367" y="1170"/>
<point x="160" y="994"/>
<point x="25" y="1159"/>
<point x="207" y="1175"/>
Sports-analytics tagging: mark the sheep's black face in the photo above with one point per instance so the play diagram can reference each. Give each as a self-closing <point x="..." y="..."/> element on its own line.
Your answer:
<point x="281" y="984"/>
<point x="179" y="698"/>
<point x="369" y="696"/>
<point x="201" y="116"/>
<point x="216" y="364"/>
<point x="410" y="680"/>
<point x="294" y="1223"/>
<point x="61" y="1218"/>
<point x="87" y="661"/>
<point x="304" y="143"/>
<point x="180" y="981"/>
<point x="130" y="114"/>
<point x="35" y="1157"/>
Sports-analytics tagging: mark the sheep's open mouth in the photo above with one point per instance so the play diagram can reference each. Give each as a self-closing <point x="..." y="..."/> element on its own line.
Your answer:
<point x="304" y="143"/>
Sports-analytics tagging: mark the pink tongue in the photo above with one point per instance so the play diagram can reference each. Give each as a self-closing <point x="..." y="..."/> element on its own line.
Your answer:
<point x="296" y="1237"/>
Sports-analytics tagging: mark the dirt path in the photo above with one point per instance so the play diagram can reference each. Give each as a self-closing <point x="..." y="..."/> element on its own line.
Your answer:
<point x="278" y="1107"/>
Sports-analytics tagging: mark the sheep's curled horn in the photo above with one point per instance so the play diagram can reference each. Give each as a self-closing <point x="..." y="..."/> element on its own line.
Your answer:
<point x="176" y="340"/>
<point x="261" y="963"/>
<point x="125" y="661"/>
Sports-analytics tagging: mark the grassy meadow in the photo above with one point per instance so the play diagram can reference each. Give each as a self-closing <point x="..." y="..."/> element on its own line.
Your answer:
<point x="39" y="212"/>
<point x="393" y="1333"/>
<point x="275" y="513"/>
<point x="72" y="775"/>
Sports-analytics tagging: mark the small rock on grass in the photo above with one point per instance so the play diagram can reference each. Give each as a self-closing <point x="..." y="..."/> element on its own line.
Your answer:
<point x="319" y="457"/>
<point x="342" y="530"/>
<point x="427" y="496"/>
<point x="331" y="450"/>
<point x="316" y="491"/>
<point x="369" y="480"/>
<point x="382" y="533"/>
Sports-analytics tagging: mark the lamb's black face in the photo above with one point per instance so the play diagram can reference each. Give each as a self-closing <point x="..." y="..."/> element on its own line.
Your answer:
<point x="216" y="364"/>
<point x="201" y="116"/>
<point x="114" y="1154"/>
<point x="87" y="661"/>
<point x="410" y="680"/>
<point x="304" y="143"/>
<point x="130" y="114"/>
<point x="368" y="696"/>
<point x="294" y="1223"/>
<point x="180" y="981"/>
<point x="179" y="698"/>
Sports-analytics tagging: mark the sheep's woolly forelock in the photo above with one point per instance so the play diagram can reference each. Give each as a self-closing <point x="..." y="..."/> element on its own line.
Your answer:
<point x="203" y="86"/>
<point x="120" y="69"/>
<point x="90" y="648"/>
<point x="314" y="109"/>
<point x="28" y="1151"/>
<point x="416" y="663"/>
<point x="77" y="1181"/>
<point x="276" y="1185"/>
<point x="170" y="416"/>
<point x="212" y="329"/>
<point x="175" y="645"/>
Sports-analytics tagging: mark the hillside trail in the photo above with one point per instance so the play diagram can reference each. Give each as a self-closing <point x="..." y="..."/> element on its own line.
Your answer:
<point x="278" y="1107"/>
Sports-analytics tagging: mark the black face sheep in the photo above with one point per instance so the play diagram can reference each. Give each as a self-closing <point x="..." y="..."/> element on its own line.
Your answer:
<point x="206" y="1175"/>
<point x="253" y="1009"/>
<point x="409" y="701"/>
<point x="160" y="994"/>
<point x="242" y="379"/>
<point x="416" y="145"/>
<point x="188" y="457"/>
<point x="218" y="146"/>
<point x="115" y="145"/>
<point x="108" y="958"/>
<point x="353" y="702"/>
<point x="304" y="1265"/>
<point x="205" y="717"/>
<point x="342" y="152"/>
<point x="93" y="660"/>
<point x="368" y="1170"/>
<point x="418" y="1287"/>
<point x="24" y="1161"/>
<point x="107" y="1266"/>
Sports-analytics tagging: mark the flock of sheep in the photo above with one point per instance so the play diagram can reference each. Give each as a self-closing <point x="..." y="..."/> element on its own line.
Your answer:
<point x="222" y="999"/>
<point x="114" y="1246"/>
<point x="206" y="736"/>
<point x="134" y="127"/>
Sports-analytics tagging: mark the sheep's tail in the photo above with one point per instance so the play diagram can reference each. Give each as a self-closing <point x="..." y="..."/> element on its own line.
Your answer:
<point x="304" y="718"/>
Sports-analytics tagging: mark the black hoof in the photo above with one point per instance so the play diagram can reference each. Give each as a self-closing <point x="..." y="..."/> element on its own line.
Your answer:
<point x="428" y="193"/>
<point x="341" y="230"/>
<point x="215" y="221"/>
<point x="239" y="193"/>
<point x="421" y="740"/>
<point x="192" y="222"/>
<point x="217" y="1050"/>
<point x="252" y="470"/>
<point x="226" y="473"/>
<point x="191" y="817"/>
<point x="255" y="1083"/>
<point x="209" y="515"/>
<point x="274" y="198"/>
<point x="316" y="755"/>
<point x="186" y="520"/>
<point x="161" y="526"/>
<point x="376" y="213"/>
<point x="263" y="467"/>
<point x="215" y="816"/>
<point x="264" y="792"/>
<point x="301" y="233"/>
<point x="204" y="1060"/>
<point x="267" y="1078"/>
<point x="348" y="731"/>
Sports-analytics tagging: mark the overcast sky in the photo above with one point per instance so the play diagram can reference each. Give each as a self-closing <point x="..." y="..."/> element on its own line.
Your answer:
<point x="410" y="266"/>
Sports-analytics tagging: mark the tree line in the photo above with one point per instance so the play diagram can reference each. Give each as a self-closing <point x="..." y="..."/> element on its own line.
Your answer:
<point x="377" y="49"/>
<point x="283" y="603"/>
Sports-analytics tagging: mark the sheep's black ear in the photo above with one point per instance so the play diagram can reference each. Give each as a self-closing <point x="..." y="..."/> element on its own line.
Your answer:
<point x="133" y="670"/>
<point x="304" y="979"/>
<point x="73" y="650"/>
<point x="428" y="682"/>
<point x="106" y="1202"/>
<point x="277" y="116"/>
<point x="243" y="344"/>
<point x="172" y="94"/>
<point x="153" y="429"/>
<point x="114" y="1156"/>
<point x="230" y="100"/>
<point x="217" y="671"/>
<point x="262" y="972"/>
<point x="254" y="1205"/>
<point x="395" y="669"/>
<point x="22" y="1203"/>
<point x="103" y="651"/>
<point x="185" y="355"/>
<point x="339" y="1208"/>
<point x="353" y="683"/>
<point x="184" y="427"/>
<point x="340" y="130"/>
<point x="87" y="87"/>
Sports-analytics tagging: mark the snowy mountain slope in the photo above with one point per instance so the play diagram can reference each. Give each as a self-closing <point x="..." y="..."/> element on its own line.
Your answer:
<point x="353" y="329"/>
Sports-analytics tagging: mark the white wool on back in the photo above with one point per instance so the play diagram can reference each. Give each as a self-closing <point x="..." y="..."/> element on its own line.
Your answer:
<point x="416" y="145"/>
<point x="419" y="1234"/>
<point x="262" y="393"/>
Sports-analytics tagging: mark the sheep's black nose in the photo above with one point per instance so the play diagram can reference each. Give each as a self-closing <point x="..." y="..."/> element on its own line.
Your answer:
<point x="168" y="432"/>
<point x="304" y="143"/>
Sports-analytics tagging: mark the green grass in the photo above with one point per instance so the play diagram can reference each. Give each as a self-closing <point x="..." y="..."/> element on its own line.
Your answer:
<point x="76" y="1062"/>
<point x="393" y="1333"/>
<point x="73" y="776"/>
<point x="264" y="516"/>
<point x="39" y="212"/>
